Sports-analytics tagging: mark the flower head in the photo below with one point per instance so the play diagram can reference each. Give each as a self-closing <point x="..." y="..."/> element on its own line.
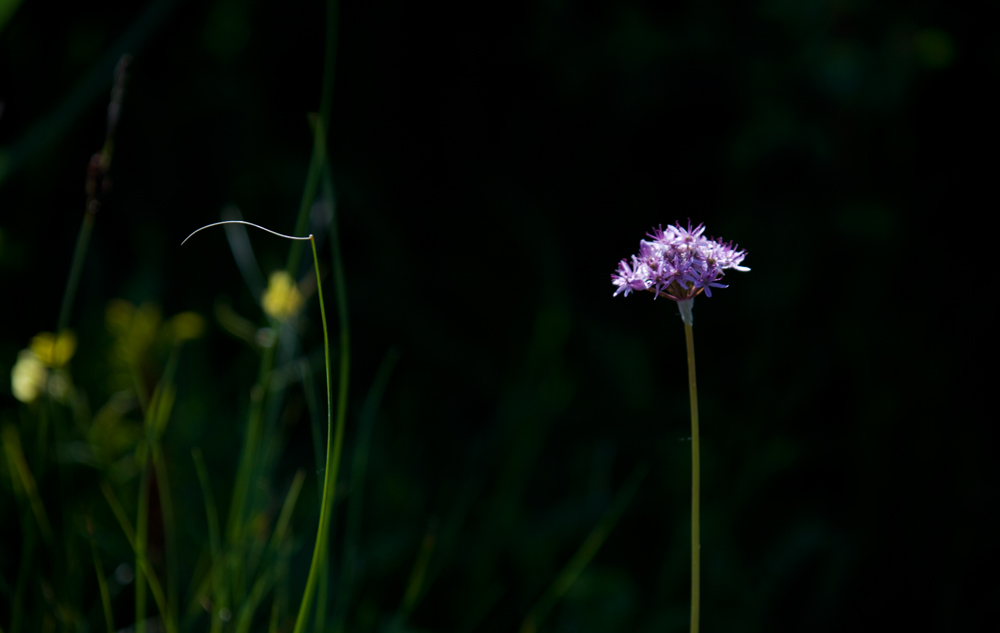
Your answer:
<point x="42" y="365"/>
<point x="54" y="350"/>
<point x="678" y="262"/>
<point x="28" y="377"/>
<point x="282" y="299"/>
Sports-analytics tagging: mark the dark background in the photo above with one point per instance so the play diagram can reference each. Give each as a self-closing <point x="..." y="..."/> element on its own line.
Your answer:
<point x="492" y="165"/>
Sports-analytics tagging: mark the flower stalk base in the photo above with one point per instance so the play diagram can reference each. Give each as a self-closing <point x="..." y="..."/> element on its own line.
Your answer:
<point x="695" y="482"/>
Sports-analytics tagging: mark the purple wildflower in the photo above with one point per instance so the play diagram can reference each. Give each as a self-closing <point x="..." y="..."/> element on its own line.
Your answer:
<point x="679" y="263"/>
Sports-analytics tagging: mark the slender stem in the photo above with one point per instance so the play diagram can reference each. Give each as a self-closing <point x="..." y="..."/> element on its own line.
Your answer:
<point x="102" y="583"/>
<point x="359" y="463"/>
<point x="97" y="172"/>
<point x="142" y="562"/>
<point x="141" y="525"/>
<point x="24" y="481"/>
<point x="241" y="489"/>
<point x="695" y="485"/>
<point x="271" y="572"/>
<point x="212" y="514"/>
<point x="332" y="462"/>
<point x="24" y="570"/>
<point x="169" y="524"/>
<point x="79" y="255"/>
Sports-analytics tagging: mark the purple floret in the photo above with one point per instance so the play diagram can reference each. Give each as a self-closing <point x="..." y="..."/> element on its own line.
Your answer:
<point x="630" y="278"/>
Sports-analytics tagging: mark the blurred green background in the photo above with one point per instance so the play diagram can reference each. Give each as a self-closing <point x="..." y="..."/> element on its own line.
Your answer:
<point x="491" y="165"/>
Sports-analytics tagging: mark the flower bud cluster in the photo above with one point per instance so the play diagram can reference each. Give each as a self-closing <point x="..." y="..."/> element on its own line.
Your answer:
<point x="678" y="263"/>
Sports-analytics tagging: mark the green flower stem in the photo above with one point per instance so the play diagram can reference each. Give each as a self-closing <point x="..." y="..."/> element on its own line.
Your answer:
<point x="333" y="449"/>
<point x="695" y="485"/>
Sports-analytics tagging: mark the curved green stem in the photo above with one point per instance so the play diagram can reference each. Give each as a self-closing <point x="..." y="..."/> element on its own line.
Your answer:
<point x="695" y="485"/>
<point x="334" y="441"/>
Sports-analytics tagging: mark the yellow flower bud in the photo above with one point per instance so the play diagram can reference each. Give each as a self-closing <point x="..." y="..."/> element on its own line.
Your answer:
<point x="187" y="326"/>
<point x="28" y="377"/>
<point x="282" y="299"/>
<point x="52" y="350"/>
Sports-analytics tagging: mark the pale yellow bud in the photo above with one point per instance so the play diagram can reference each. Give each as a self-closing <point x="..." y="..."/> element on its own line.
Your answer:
<point x="282" y="298"/>
<point x="53" y="350"/>
<point x="187" y="326"/>
<point x="28" y="377"/>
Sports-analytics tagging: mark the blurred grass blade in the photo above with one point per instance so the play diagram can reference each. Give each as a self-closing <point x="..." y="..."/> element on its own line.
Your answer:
<point x="239" y="244"/>
<point x="415" y="586"/>
<point x="24" y="482"/>
<point x="281" y="529"/>
<point x="154" y="583"/>
<point x="235" y="324"/>
<point x="481" y="608"/>
<point x="97" y="181"/>
<point x="169" y="527"/>
<point x="158" y="415"/>
<point x="75" y="270"/>
<point x="305" y="370"/>
<point x="260" y="587"/>
<point x="211" y="510"/>
<point x="207" y="573"/>
<point x="355" y="504"/>
<point x="321" y="127"/>
<point x="564" y="581"/>
<point x="141" y="531"/>
<point x="235" y="536"/>
<point x="102" y="582"/>
<point x="280" y="603"/>
<point x="268" y="576"/>
<point x="7" y="10"/>
<point x="216" y="570"/>
<point x="308" y="193"/>
<point x="24" y="568"/>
